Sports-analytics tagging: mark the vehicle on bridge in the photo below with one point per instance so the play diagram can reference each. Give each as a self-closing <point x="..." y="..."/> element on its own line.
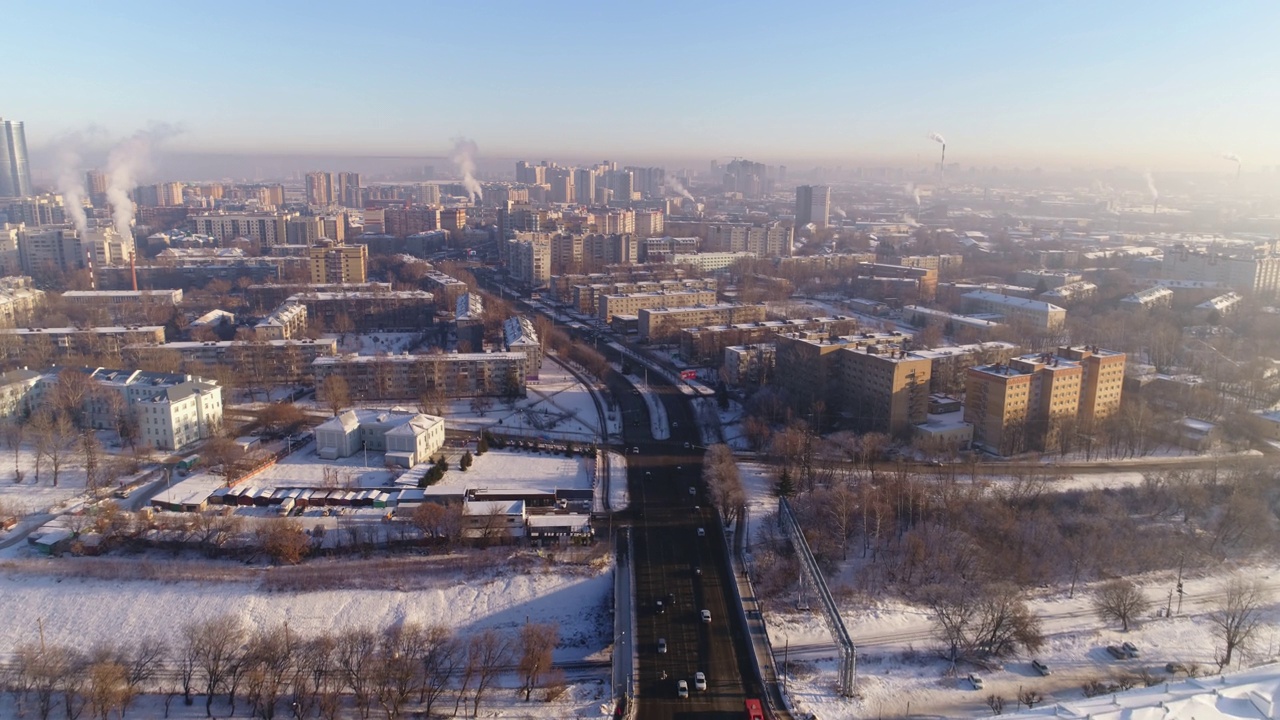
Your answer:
<point x="755" y="711"/>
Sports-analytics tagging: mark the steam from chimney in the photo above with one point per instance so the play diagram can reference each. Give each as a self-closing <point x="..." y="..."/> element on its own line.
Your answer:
<point x="1235" y="159"/>
<point x="71" y="183"/>
<point x="464" y="156"/>
<point x="943" y="142"/>
<point x="1155" y="194"/>
<point x="125" y="163"/>
<point x="678" y="188"/>
<point x="839" y="211"/>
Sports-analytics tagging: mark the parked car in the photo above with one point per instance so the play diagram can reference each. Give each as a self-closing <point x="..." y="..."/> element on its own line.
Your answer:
<point x="662" y="646"/>
<point x="1130" y="649"/>
<point x="1040" y="667"/>
<point x="658" y="607"/>
<point x="975" y="681"/>
<point x="699" y="681"/>
<point x="693" y="490"/>
<point x="697" y="570"/>
<point x="702" y="532"/>
<point x="1116" y="652"/>
<point x="682" y="689"/>
<point x="706" y="616"/>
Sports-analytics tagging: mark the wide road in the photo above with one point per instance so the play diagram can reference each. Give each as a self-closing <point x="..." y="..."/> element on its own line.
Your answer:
<point x="688" y="572"/>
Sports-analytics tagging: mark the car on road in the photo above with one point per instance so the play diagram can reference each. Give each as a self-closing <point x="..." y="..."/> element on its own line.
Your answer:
<point x="699" y="681"/>
<point x="662" y="646"/>
<point x="693" y="490"/>
<point x="686" y="446"/>
<point x="635" y="391"/>
<point x="702" y="532"/>
<point x="697" y="570"/>
<point x="975" y="681"/>
<point x="1130" y="650"/>
<point x="1040" y="667"/>
<point x="635" y="451"/>
<point x="682" y="689"/>
<point x="1117" y="652"/>
<point x="675" y="424"/>
<point x="658" y="607"/>
<point x="706" y="616"/>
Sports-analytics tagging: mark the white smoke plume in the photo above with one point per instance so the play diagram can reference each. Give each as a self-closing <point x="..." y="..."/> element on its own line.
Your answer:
<point x="839" y="211"/>
<point x="1232" y="157"/>
<point x="71" y="182"/>
<point x="464" y="156"/>
<point x="937" y="138"/>
<point x="914" y="192"/>
<point x="1151" y="185"/>
<point x="126" y="162"/>
<point x="678" y="188"/>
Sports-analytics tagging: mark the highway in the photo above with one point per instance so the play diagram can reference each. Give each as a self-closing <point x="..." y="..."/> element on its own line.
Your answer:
<point x="688" y="572"/>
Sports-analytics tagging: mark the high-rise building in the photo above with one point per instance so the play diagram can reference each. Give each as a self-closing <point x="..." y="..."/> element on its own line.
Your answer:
<point x="528" y="174"/>
<point x="530" y="258"/>
<point x="95" y="182"/>
<point x="348" y="192"/>
<point x="813" y="205"/>
<point x="320" y="188"/>
<point x="427" y="194"/>
<point x="561" y="181"/>
<point x="262" y="228"/>
<point x="454" y="219"/>
<point x="584" y="185"/>
<point x="648" y="223"/>
<point x="624" y="185"/>
<point x="15" y="173"/>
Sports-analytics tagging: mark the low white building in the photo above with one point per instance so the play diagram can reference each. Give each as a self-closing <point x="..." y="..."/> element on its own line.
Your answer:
<point x="406" y="438"/>
<point x="285" y="322"/>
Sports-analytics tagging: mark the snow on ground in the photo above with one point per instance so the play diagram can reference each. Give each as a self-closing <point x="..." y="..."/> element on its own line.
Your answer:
<point x="731" y="426"/>
<point x="83" y="610"/>
<point x="619" y="497"/>
<point x="30" y="496"/>
<point x="557" y="407"/>
<point x="374" y="343"/>
<point x="898" y="663"/>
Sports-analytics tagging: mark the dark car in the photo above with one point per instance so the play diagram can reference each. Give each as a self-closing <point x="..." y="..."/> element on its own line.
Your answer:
<point x="1116" y="652"/>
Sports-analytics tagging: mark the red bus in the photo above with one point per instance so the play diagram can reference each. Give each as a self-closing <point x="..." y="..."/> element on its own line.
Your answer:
<point x="754" y="710"/>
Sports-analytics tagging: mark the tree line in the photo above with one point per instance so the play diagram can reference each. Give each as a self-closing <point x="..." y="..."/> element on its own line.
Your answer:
<point x="271" y="671"/>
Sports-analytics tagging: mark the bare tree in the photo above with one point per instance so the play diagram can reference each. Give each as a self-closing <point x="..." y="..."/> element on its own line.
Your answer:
<point x="336" y="393"/>
<point x="441" y="656"/>
<point x="13" y="431"/>
<point x="269" y="658"/>
<point x="216" y="643"/>
<point x="1119" y="600"/>
<point x="1029" y="697"/>
<point x="90" y="451"/>
<point x="399" y="669"/>
<point x="537" y="641"/>
<point x="996" y="703"/>
<point x="284" y="541"/>
<point x="489" y="651"/>
<point x="356" y="658"/>
<point x="724" y="482"/>
<point x="1238" y="615"/>
<point x="108" y="690"/>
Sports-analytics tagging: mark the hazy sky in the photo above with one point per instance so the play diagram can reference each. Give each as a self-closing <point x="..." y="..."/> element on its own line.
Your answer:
<point x="1169" y="85"/>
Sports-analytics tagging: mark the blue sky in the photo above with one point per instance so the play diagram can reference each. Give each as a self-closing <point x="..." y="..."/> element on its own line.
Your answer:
<point x="1168" y="85"/>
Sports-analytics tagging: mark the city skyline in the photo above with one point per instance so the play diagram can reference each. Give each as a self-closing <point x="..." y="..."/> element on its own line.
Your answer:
<point x="1171" y="87"/>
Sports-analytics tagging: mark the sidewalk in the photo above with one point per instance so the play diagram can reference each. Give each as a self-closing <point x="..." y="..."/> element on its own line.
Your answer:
<point x="778" y="704"/>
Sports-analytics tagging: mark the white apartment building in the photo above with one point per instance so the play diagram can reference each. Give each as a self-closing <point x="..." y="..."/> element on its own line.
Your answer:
<point x="709" y="261"/>
<point x="284" y="323"/>
<point x="263" y="228"/>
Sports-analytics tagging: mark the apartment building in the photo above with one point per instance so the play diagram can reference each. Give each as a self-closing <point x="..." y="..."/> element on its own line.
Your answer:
<point x="649" y="223"/>
<point x="529" y="258"/>
<point x="712" y="261"/>
<point x="664" y="324"/>
<point x="1049" y="279"/>
<point x="385" y="311"/>
<point x="1039" y="314"/>
<point x="633" y="303"/>
<point x="129" y="306"/>
<point x="171" y="410"/>
<point x="273" y="362"/>
<point x="706" y="344"/>
<point x="749" y="365"/>
<point x="406" y="438"/>
<point x="1148" y="299"/>
<point x="874" y="385"/>
<point x="19" y="300"/>
<point x="264" y="296"/>
<point x="411" y="377"/>
<point x="1027" y="402"/>
<point x="53" y="343"/>
<point x="921" y="282"/>
<point x="262" y="228"/>
<point x="769" y="240"/>
<point x="339" y="264"/>
<point x="587" y="297"/>
<point x="1070" y="293"/>
<point x="1218" y="306"/>
<point x="1256" y="273"/>
<point x="286" y="322"/>
<point x="446" y="288"/>
<point x="519" y="335"/>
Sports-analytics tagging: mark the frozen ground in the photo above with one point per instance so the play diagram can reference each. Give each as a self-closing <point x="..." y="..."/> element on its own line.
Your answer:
<point x="31" y="496"/>
<point x="80" y="609"/>
<point x="375" y="343"/>
<point x="899" y="670"/>
<point x="557" y="407"/>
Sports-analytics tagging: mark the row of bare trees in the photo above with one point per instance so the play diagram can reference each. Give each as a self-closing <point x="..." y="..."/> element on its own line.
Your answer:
<point x="724" y="482"/>
<point x="274" y="672"/>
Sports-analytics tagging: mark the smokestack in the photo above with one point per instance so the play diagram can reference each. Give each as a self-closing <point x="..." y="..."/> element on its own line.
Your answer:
<point x="133" y="269"/>
<point x="943" y="142"/>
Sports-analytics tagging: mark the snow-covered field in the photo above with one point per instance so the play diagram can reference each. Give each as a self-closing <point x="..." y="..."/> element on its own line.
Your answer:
<point x="32" y="496"/>
<point x="557" y="407"/>
<point x="899" y="669"/>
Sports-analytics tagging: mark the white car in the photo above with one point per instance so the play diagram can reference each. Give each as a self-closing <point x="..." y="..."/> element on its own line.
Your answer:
<point x="693" y="490"/>
<point x="662" y="646"/>
<point x="699" y="681"/>
<point x="975" y="681"/>
<point x="702" y="532"/>
<point x="682" y="689"/>
<point x="706" y="616"/>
